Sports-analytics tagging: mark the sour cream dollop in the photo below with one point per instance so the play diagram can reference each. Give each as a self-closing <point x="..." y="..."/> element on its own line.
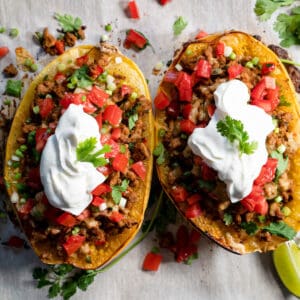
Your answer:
<point x="237" y="170"/>
<point x="68" y="182"/>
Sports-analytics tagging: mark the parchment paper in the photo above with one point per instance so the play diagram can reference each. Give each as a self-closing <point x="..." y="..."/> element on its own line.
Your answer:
<point x="217" y="274"/>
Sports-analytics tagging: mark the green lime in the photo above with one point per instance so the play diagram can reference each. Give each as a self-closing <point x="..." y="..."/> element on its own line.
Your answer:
<point x="287" y="263"/>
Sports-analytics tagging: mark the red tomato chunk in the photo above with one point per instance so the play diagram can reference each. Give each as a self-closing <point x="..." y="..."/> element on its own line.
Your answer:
<point x="152" y="261"/>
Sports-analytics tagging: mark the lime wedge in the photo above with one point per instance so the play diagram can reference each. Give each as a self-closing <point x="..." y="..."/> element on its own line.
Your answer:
<point x="287" y="263"/>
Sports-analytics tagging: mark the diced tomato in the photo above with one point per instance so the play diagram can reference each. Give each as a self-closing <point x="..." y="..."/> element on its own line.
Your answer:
<point x="211" y="108"/>
<point x="258" y="91"/>
<point x="220" y="49"/>
<point x="203" y="69"/>
<point x="187" y="126"/>
<point x="120" y="163"/>
<point x="116" y="216"/>
<point x="101" y="189"/>
<point x="41" y="137"/>
<point x="135" y="38"/>
<point x="263" y="104"/>
<point x="133" y="10"/>
<point x="95" y="71"/>
<point x="207" y="173"/>
<point x="85" y="214"/>
<point x="105" y="170"/>
<point x="171" y="76"/>
<point x="116" y="133"/>
<point x="112" y="114"/>
<point x="164" y="2"/>
<point x="99" y="120"/>
<point x="73" y="243"/>
<point x="173" y="110"/>
<point x="179" y="193"/>
<point x="186" y="110"/>
<point x="45" y="107"/>
<point x="34" y="179"/>
<point x="234" y="71"/>
<point x="140" y="169"/>
<point x="267" y="172"/>
<point x="182" y="236"/>
<point x="193" y="211"/>
<point x="270" y="82"/>
<point x="77" y="99"/>
<point x="197" y="160"/>
<point x="267" y="68"/>
<point x="201" y="34"/>
<point x="193" y="199"/>
<point x="152" y="261"/>
<point x="97" y="201"/>
<point x="256" y="201"/>
<point x="185" y="252"/>
<point x="60" y="46"/>
<point x="26" y="208"/>
<point x="115" y="149"/>
<point x="194" y="237"/>
<point x="15" y="242"/>
<point x="125" y="90"/>
<point x="3" y="51"/>
<point x="184" y="85"/>
<point x="66" y="219"/>
<point x="99" y="242"/>
<point x="273" y="97"/>
<point x="262" y="207"/>
<point x="161" y="101"/>
<point x="82" y="60"/>
<point x="97" y="96"/>
<point x="59" y="78"/>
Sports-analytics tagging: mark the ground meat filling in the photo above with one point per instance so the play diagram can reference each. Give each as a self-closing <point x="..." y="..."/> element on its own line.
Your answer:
<point x="191" y="183"/>
<point x="96" y="222"/>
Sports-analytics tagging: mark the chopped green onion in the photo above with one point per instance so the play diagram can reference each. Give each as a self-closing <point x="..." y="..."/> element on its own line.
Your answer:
<point x="188" y="52"/>
<point x="278" y="199"/>
<point x="108" y="92"/>
<point x="286" y="211"/>
<point x="275" y="122"/>
<point x="23" y="148"/>
<point x="281" y="148"/>
<point x="102" y="77"/>
<point x="158" y="66"/>
<point x="13" y="87"/>
<point x="261" y="219"/>
<point x="289" y="62"/>
<point x="36" y="109"/>
<point x="255" y="60"/>
<point x="17" y="176"/>
<point x="122" y="148"/>
<point x="75" y="230"/>
<point x="28" y="62"/>
<point x="34" y="67"/>
<point x="232" y="56"/>
<point x="104" y="38"/>
<point x="14" y="32"/>
<point x="88" y="259"/>
<point x="108" y="27"/>
<point x="133" y="95"/>
<point x="161" y="132"/>
<point x="276" y="130"/>
<point x="61" y="67"/>
<point x="112" y="86"/>
<point x="2" y="29"/>
<point x="7" y="101"/>
<point x="23" y="201"/>
<point x="19" y="153"/>
<point x="249" y="65"/>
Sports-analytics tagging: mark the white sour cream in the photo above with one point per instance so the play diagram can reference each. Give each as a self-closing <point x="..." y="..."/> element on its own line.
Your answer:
<point x="236" y="170"/>
<point x="67" y="182"/>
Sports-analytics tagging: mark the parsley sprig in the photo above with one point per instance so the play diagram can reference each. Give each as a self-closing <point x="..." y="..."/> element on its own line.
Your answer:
<point x="68" y="23"/>
<point x="234" y="131"/>
<point x="85" y="152"/>
<point x="117" y="191"/>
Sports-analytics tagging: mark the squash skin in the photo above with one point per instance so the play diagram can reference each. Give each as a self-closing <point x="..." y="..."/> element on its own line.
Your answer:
<point x="115" y="244"/>
<point x="227" y="236"/>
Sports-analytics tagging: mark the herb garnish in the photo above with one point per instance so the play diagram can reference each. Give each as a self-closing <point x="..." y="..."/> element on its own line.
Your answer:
<point x="85" y="152"/>
<point x="227" y="218"/>
<point x="179" y="25"/>
<point x="234" y="131"/>
<point x="80" y="78"/>
<point x="117" y="191"/>
<point x="282" y="162"/>
<point x="159" y="151"/>
<point x="250" y="227"/>
<point x="281" y="229"/>
<point x="13" y="88"/>
<point x="132" y="120"/>
<point x="68" y="23"/>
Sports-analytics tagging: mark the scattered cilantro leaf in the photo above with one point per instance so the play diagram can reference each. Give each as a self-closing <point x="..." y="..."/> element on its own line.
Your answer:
<point x="80" y="78"/>
<point x="159" y="152"/>
<point x="265" y="8"/>
<point x="117" y="191"/>
<point x="206" y="185"/>
<point x="283" y="101"/>
<point x="191" y="258"/>
<point x="234" y="131"/>
<point x="54" y="290"/>
<point x="131" y="120"/>
<point x="85" y="152"/>
<point x="282" y="162"/>
<point x="179" y="25"/>
<point x="227" y="218"/>
<point x="250" y="227"/>
<point x="281" y="229"/>
<point x="68" y="23"/>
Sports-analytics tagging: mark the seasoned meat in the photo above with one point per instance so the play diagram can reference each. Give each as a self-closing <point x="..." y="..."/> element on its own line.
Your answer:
<point x="70" y="39"/>
<point x="10" y="71"/>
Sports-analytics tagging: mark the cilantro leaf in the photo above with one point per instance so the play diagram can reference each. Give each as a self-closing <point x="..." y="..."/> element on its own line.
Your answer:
<point x="179" y="25"/>
<point x="233" y="130"/>
<point x="131" y="120"/>
<point x="68" y="23"/>
<point x="68" y="289"/>
<point x="117" y="191"/>
<point x="281" y="229"/>
<point x="282" y="162"/>
<point x="53" y="290"/>
<point x="227" y="218"/>
<point x="159" y="151"/>
<point x="250" y="227"/>
<point x="85" y="152"/>
<point x="265" y="8"/>
<point x="80" y="78"/>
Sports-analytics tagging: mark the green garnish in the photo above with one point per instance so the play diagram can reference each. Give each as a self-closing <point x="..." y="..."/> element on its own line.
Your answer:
<point x="250" y="227"/>
<point x="108" y="27"/>
<point x="36" y="109"/>
<point x="206" y="185"/>
<point x="179" y="25"/>
<point x="7" y="102"/>
<point x="227" y="218"/>
<point x="287" y="27"/>
<point x="68" y="23"/>
<point x="159" y="151"/>
<point x="289" y="62"/>
<point x="281" y="229"/>
<point x="131" y="120"/>
<point x="13" y="33"/>
<point x="85" y="152"/>
<point x="13" y="88"/>
<point x="80" y="78"/>
<point x="234" y="131"/>
<point x="283" y="101"/>
<point x="2" y="29"/>
<point x="265" y="8"/>
<point x="117" y="191"/>
<point x="282" y="162"/>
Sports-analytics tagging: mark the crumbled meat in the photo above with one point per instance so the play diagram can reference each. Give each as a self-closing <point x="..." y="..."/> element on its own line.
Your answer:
<point x="285" y="183"/>
<point x="275" y="210"/>
<point x="114" y="178"/>
<point x="270" y="190"/>
<point x="10" y="71"/>
<point x="223" y="205"/>
<point x="133" y="178"/>
<point x="265" y="236"/>
<point x="175" y="143"/>
<point x="81" y="33"/>
<point x="44" y="88"/>
<point x="124" y="133"/>
<point x="103" y="60"/>
<point x="28" y="128"/>
<point x="249" y="216"/>
<point x="249" y="77"/>
<point x="144" y="104"/>
<point x="70" y="39"/>
<point x="59" y="90"/>
<point x="48" y="42"/>
<point x="53" y="230"/>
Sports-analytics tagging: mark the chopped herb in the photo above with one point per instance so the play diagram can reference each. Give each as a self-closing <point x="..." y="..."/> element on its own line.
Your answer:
<point x="80" y="78"/>
<point x="108" y="27"/>
<point x="289" y="62"/>
<point x="75" y="230"/>
<point x="161" y="132"/>
<point x="36" y="109"/>
<point x="13" y="33"/>
<point x="155" y="250"/>
<point x="33" y="67"/>
<point x="191" y="258"/>
<point x="159" y="152"/>
<point x="206" y="185"/>
<point x="132" y="120"/>
<point x="122" y="148"/>
<point x="68" y="23"/>
<point x="227" y="218"/>
<point x="179" y="25"/>
<point x="250" y="227"/>
<point x="261" y="219"/>
<point x="2" y="29"/>
<point x="85" y="152"/>
<point x="283" y="101"/>
<point x="13" y="88"/>
<point x="281" y="229"/>
<point x="31" y="138"/>
<point x="233" y="130"/>
<point x="7" y="102"/>
<point x="117" y="191"/>
<point x="282" y="162"/>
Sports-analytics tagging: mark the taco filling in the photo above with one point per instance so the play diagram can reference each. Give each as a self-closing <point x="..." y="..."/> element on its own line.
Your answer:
<point x="82" y="161"/>
<point x="225" y="141"/>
